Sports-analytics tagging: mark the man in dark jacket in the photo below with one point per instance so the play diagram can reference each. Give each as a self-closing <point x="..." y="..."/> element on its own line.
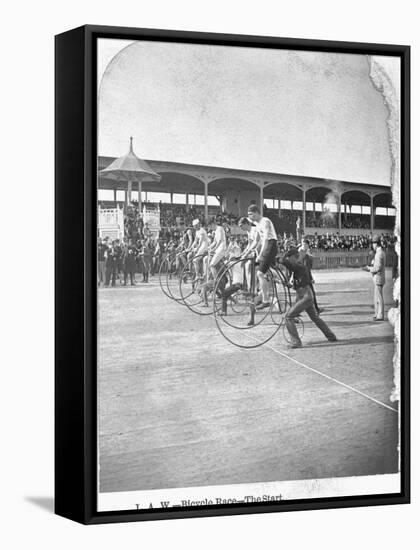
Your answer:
<point x="119" y="253"/>
<point x="146" y="256"/>
<point x="111" y="265"/>
<point x="306" y="258"/>
<point x="304" y="299"/>
<point x="102" y="248"/>
<point x="130" y="264"/>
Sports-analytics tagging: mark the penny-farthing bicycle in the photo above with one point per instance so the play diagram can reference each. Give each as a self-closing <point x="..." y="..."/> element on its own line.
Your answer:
<point x="197" y="285"/>
<point x="169" y="273"/>
<point x="238" y="317"/>
<point x="165" y="269"/>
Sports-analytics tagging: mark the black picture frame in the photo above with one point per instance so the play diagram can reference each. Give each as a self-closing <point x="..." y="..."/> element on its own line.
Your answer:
<point x="75" y="272"/>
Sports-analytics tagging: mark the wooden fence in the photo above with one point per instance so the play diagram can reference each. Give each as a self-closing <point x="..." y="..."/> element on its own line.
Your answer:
<point x="356" y="258"/>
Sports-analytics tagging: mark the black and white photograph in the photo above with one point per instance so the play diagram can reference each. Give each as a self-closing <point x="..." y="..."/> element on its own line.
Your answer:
<point x="209" y="293"/>
<point x="248" y="274"/>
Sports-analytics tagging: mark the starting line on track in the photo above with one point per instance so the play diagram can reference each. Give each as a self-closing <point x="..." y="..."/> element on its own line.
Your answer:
<point x="328" y="377"/>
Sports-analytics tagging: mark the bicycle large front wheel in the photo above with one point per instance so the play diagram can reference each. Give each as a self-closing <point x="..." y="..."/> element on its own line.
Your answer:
<point x="239" y="319"/>
<point x="195" y="285"/>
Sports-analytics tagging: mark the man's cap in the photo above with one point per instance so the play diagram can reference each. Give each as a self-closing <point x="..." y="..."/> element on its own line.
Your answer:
<point x="195" y="222"/>
<point x="291" y="252"/>
<point x="376" y="239"/>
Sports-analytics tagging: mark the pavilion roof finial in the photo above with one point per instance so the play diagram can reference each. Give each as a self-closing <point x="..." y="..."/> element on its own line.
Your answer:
<point x="131" y="144"/>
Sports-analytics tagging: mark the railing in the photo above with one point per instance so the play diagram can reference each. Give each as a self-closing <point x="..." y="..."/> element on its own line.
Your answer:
<point x="111" y="223"/>
<point x="354" y="258"/>
<point x="310" y="231"/>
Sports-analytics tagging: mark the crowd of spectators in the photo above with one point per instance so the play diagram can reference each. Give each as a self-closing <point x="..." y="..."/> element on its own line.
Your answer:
<point x="324" y="219"/>
<point x="355" y="222"/>
<point x="120" y="260"/>
<point x="171" y="215"/>
<point x="328" y="219"/>
<point x="133" y="222"/>
<point x="170" y="218"/>
<point x="346" y="243"/>
<point x="140" y="251"/>
<point x="333" y="242"/>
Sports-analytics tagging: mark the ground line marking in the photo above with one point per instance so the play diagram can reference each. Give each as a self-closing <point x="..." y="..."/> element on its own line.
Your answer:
<point x="365" y="395"/>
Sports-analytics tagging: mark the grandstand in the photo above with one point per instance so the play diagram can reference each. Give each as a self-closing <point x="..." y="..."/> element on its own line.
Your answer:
<point x="187" y="189"/>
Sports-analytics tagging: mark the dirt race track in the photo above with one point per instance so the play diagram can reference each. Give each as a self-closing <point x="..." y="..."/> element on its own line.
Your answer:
<point x="179" y="406"/>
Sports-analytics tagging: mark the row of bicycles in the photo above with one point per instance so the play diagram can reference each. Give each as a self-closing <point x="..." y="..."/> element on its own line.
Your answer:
<point x="231" y="295"/>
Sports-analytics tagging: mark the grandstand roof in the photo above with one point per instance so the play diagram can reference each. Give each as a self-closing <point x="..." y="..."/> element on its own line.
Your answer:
<point x="188" y="178"/>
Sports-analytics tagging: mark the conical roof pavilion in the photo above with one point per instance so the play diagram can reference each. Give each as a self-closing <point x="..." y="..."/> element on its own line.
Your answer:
<point x="130" y="167"/>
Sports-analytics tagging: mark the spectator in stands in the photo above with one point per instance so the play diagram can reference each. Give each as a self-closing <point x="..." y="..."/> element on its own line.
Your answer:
<point x="147" y="233"/>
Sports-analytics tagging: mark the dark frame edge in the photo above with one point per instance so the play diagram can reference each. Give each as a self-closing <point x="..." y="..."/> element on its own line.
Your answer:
<point x="198" y="37"/>
<point x="70" y="406"/>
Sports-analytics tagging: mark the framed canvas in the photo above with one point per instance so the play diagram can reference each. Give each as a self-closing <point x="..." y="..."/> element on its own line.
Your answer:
<point x="232" y="274"/>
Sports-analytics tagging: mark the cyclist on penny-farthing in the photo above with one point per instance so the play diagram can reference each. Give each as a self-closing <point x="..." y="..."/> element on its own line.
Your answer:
<point x="217" y="253"/>
<point x="242" y="272"/>
<point x="218" y="247"/>
<point x="199" y="249"/>
<point x="251" y="249"/>
<point x="185" y="244"/>
<point x="267" y="253"/>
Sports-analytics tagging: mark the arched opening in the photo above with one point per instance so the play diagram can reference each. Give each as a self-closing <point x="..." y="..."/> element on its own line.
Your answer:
<point x="384" y="212"/>
<point x="235" y="195"/>
<point x="322" y="209"/>
<point x="356" y="211"/>
<point x="283" y="205"/>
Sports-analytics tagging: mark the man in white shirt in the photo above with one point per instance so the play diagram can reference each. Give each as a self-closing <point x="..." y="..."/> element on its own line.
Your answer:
<point x="378" y="277"/>
<point x="251" y="248"/>
<point x="200" y="246"/>
<point x="218" y="247"/>
<point x="267" y="252"/>
<point x="201" y="241"/>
